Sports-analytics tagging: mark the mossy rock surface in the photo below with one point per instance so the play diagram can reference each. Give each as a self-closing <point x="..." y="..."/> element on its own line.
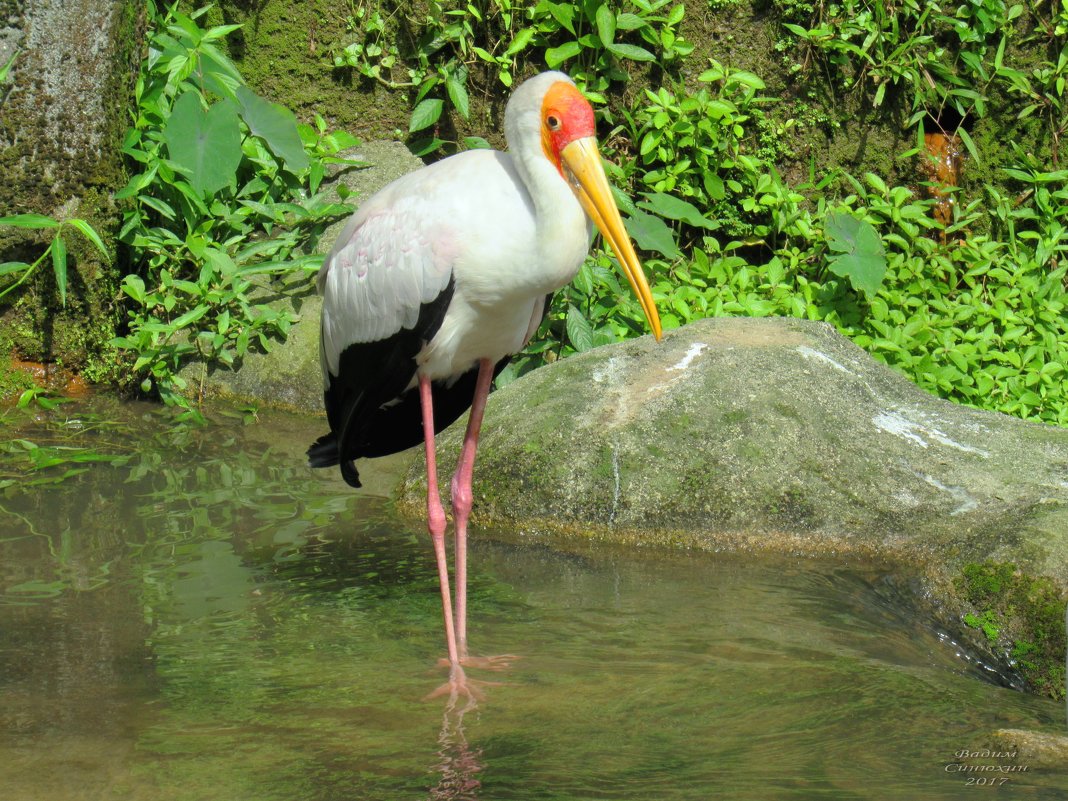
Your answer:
<point x="778" y="435"/>
<point x="775" y="433"/>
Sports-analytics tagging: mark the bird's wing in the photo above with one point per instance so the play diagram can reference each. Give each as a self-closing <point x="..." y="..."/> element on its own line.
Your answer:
<point x="394" y="256"/>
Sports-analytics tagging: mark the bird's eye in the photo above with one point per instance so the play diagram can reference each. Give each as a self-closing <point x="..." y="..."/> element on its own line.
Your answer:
<point x="553" y="122"/>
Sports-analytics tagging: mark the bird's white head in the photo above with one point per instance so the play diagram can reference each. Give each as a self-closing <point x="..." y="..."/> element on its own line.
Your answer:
<point x="550" y="109"/>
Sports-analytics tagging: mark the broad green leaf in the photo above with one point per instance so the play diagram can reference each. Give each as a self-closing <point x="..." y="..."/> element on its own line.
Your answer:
<point x="161" y="206"/>
<point x="606" y="25"/>
<point x="134" y="286"/>
<point x="555" y="56"/>
<point x="651" y="233"/>
<point x="425" y="146"/>
<point x="676" y="209"/>
<point x="626" y="21"/>
<point x="632" y="52"/>
<point x="221" y="262"/>
<point x="579" y="330"/>
<point x="564" y="13"/>
<point x="189" y="317"/>
<point x="29" y="221"/>
<point x="968" y="143"/>
<point x="275" y="125"/>
<point x="454" y="85"/>
<point x="521" y="40"/>
<point x="205" y="143"/>
<point x="861" y="257"/>
<point x="425" y="114"/>
<point x="59" y="266"/>
<point x="747" y="79"/>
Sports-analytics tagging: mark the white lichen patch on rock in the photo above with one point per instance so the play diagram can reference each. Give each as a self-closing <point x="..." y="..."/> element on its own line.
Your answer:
<point x="813" y="354"/>
<point x="900" y="426"/>
<point x="696" y="349"/>
<point x="965" y="502"/>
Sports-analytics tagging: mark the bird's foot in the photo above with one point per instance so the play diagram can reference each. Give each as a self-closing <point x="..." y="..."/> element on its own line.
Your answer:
<point x="460" y="686"/>
<point x="500" y="662"/>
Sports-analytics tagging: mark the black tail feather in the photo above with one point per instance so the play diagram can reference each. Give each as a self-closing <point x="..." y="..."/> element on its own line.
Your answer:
<point x="348" y="472"/>
<point x="323" y="453"/>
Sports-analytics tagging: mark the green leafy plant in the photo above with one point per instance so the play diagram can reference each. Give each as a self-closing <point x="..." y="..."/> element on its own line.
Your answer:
<point x="57" y="249"/>
<point x="223" y="203"/>
<point x="433" y="63"/>
<point x="592" y="40"/>
<point x="858" y="252"/>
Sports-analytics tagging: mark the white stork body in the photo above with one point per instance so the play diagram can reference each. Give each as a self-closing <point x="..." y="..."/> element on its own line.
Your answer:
<point x="442" y="275"/>
<point x="405" y="243"/>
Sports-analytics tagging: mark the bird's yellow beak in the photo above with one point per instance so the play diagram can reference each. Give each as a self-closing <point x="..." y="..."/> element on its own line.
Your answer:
<point x="582" y="166"/>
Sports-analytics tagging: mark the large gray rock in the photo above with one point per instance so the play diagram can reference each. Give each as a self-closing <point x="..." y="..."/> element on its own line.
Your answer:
<point x="765" y="434"/>
<point x="289" y="376"/>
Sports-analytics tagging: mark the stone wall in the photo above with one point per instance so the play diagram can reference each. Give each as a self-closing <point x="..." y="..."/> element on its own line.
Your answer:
<point x="61" y="126"/>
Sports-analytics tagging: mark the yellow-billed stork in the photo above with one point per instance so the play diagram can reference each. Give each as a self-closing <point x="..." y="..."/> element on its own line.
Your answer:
<point x="441" y="276"/>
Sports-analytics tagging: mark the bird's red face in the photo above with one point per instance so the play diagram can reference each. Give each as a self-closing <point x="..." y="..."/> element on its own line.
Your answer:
<point x="569" y="141"/>
<point x="565" y="116"/>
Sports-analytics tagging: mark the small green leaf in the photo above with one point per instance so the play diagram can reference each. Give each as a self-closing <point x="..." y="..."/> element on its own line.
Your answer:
<point x="90" y="233"/>
<point x="676" y="209"/>
<point x="13" y="267"/>
<point x="7" y="67"/>
<point x="134" y="286"/>
<point x="59" y="266"/>
<point x="521" y="40"/>
<point x="189" y="317"/>
<point x="626" y="21"/>
<point x="425" y="114"/>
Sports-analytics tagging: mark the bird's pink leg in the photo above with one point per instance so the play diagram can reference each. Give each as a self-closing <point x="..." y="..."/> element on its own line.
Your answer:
<point x="462" y="496"/>
<point x="435" y="515"/>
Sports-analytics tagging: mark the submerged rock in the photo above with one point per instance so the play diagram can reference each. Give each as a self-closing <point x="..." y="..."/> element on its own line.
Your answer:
<point x="775" y="434"/>
<point x="1034" y="749"/>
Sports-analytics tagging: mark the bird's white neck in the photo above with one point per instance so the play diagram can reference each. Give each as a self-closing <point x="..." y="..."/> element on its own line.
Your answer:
<point x="563" y="229"/>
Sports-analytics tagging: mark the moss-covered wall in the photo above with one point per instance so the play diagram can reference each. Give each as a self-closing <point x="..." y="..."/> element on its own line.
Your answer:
<point x="61" y="127"/>
<point x="283" y="50"/>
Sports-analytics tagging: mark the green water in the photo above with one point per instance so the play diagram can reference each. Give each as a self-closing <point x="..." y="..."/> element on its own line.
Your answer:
<point x="207" y="619"/>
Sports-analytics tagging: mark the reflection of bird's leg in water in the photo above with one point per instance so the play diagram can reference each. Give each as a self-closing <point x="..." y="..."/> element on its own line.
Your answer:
<point x="459" y="763"/>
<point x="459" y="686"/>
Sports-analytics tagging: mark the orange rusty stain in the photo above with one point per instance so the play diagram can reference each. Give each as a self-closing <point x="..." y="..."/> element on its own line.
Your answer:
<point x="941" y="166"/>
<point x="52" y="377"/>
